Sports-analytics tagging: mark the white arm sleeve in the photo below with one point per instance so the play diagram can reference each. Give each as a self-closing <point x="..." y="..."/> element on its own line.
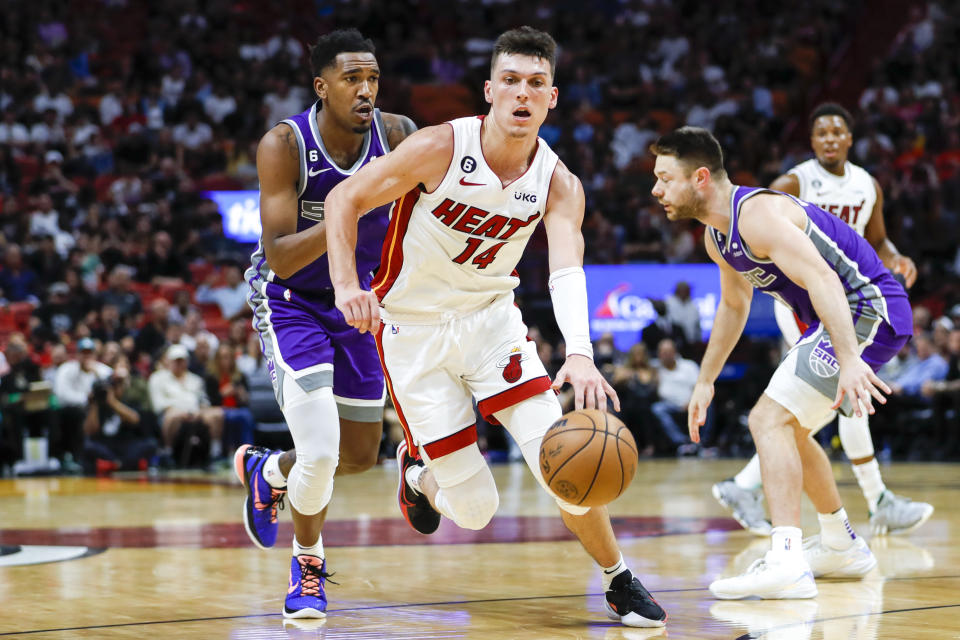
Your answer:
<point x="568" y="292"/>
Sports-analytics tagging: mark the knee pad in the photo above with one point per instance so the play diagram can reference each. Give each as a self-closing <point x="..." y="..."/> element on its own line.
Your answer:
<point x="468" y="494"/>
<point x="855" y="437"/>
<point x="315" y="427"/>
<point x="527" y="423"/>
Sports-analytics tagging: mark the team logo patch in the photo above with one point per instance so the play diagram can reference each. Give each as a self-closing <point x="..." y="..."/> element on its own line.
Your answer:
<point x="286" y="295"/>
<point x="468" y="164"/>
<point x="822" y="361"/>
<point x="816" y="184"/>
<point x="273" y="372"/>
<point x="510" y="363"/>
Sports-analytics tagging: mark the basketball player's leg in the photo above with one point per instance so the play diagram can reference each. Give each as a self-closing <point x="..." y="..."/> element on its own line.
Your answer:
<point x="742" y="493"/>
<point x="626" y="598"/>
<point x="441" y="469"/>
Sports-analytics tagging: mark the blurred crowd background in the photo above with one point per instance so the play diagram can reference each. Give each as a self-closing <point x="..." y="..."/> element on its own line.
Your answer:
<point x="126" y="337"/>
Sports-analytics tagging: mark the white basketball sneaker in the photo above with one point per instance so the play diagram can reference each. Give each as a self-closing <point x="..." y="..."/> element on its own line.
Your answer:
<point x="745" y="505"/>
<point x="854" y="562"/>
<point x="896" y="514"/>
<point x="772" y="577"/>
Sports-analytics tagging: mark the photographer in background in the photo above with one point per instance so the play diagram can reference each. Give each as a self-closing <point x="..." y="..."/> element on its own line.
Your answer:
<point x="116" y="433"/>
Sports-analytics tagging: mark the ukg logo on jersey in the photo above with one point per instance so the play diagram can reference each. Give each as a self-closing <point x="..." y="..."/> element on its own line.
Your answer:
<point x="621" y="310"/>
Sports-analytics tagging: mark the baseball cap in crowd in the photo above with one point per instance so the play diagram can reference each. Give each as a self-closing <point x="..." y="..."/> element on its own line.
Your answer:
<point x="177" y="352"/>
<point x="53" y="156"/>
<point x="85" y="344"/>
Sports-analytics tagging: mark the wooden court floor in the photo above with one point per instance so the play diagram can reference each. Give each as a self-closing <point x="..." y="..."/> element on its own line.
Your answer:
<point x="168" y="558"/>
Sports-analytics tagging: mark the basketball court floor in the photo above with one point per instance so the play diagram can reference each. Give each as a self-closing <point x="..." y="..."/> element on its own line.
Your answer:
<point x="138" y="557"/>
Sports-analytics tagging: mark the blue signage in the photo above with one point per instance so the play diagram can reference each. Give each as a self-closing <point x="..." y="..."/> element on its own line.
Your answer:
<point x="240" y="211"/>
<point x="620" y="299"/>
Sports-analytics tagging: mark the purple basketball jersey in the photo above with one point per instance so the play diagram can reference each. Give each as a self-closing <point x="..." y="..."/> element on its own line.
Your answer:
<point x="318" y="175"/>
<point x="876" y="299"/>
<point x="302" y="333"/>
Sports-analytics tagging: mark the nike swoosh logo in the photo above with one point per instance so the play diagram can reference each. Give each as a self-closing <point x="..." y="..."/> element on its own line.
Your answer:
<point x="312" y="173"/>
<point x="464" y="182"/>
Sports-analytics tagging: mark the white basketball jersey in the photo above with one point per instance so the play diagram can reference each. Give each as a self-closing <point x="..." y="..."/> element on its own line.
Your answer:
<point x="455" y="250"/>
<point x="850" y="197"/>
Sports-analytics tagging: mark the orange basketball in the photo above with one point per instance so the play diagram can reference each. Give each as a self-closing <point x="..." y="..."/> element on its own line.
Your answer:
<point x="588" y="457"/>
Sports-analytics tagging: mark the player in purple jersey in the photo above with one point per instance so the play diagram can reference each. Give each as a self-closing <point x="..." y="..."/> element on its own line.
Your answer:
<point x="326" y="375"/>
<point x="853" y="195"/>
<point x="859" y="318"/>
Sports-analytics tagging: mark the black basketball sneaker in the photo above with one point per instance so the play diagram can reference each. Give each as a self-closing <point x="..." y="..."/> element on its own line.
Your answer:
<point x="414" y="505"/>
<point x="630" y="603"/>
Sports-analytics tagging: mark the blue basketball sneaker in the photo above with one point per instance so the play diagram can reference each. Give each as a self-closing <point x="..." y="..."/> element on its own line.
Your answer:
<point x="305" y="596"/>
<point x="262" y="502"/>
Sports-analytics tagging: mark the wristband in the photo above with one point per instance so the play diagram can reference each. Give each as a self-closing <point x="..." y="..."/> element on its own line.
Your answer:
<point x="568" y="292"/>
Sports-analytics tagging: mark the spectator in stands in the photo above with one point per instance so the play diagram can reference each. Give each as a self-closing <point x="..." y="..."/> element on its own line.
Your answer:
<point x="928" y="367"/>
<point x="152" y="337"/>
<point x="162" y="265"/>
<point x="227" y="387"/>
<point x="635" y="382"/>
<point x="945" y="396"/>
<point x="18" y="282"/>
<point x="21" y="372"/>
<point x="12" y="132"/>
<point x="231" y="296"/>
<point x="116" y="437"/>
<point x="662" y="328"/>
<point x="72" y="386"/>
<point x="683" y="311"/>
<point x="179" y="397"/>
<point x="181" y="306"/>
<point x="676" y="377"/>
<point x="119" y="294"/>
<point x="58" y="315"/>
<point x="194" y="333"/>
<point x="58" y="355"/>
<point x="45" y="261"/>
<point x="109" y="326"/>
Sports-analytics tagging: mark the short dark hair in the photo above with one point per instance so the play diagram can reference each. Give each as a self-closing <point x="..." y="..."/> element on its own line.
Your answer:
<point x="831" y="109"/>
<point x="330" y="45"/>
<point x="694" y="146"/>
<point x="526" y="41"/>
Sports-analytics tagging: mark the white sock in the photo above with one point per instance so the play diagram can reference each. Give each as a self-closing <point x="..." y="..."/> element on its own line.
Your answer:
<point x="315" y="550"/>
<point x="835" y="529"/>
<point x="787" y="542"/>
<point x="216" y="449"/>
<point x="272" y="473"/>
<point x="749" y="477"/>
<point x="868" y="477"/>
<point x="609" y="573"/>
<point x="413" y="475"/>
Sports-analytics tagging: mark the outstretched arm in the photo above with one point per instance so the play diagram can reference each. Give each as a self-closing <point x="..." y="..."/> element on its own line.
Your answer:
<point x="771" y="227"/>
<point x="736" y="294"/>
<point x="876" y="235"/>
<point x="420" y="162"/>
<point x="568" y="292"/>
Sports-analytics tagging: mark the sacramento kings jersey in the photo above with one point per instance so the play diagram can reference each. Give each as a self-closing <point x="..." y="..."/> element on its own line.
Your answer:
<point x="867" y="283"/>
<point x="318" y="175"/>
<point x="455" y="250"/>
<point x="851" y="197"/>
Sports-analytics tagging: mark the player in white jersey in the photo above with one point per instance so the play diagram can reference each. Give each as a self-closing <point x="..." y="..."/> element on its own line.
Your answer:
<point x="846" y="190"/>
<point x="468" y="195"/>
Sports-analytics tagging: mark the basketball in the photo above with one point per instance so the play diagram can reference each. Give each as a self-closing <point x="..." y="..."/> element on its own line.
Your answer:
<point x="588" y="457"/>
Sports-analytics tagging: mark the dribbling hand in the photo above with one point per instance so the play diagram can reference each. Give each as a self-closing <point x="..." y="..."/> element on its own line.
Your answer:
<point x="697" y="408"/>
<point x="360" y="308"/>
<point x="859" y="383"/>
<point x="590" y="389"/>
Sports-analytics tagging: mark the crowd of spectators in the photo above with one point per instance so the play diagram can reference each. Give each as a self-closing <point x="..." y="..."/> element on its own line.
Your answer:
<point x="116" y="117"/>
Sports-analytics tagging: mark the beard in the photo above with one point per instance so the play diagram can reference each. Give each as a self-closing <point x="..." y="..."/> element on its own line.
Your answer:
<point x="690" y="206"/>
<point x="362" y="128"/>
